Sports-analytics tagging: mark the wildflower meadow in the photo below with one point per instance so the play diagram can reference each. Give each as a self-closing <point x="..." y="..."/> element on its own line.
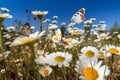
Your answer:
<point x="58" y="52"/>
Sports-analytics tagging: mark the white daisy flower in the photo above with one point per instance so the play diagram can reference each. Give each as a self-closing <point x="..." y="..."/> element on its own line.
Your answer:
<point x="39" y="14"/>
<point x="42" y="60"/>
<point x="94" y="32"/>
<point x="102" y="22"/>
<point x="2" y="71"/>
<point x="46" y="20"/>
<point x="76" y="31"/>
<point x="32" y="27"/>
<point x="5" y="55"/>
<point x="113" y="49"/>
<point x="53" y="27"/>
<point x="118" y="36"/>
<point x="102" y="25"/>
<point x="5" y="15"/>
<point x="89" y="53"/>
<point x="7" y="36"/>
<point x="45" y="71"/>
<point x="92" y="19"/>
<point x="69" y="43"/>
<point x="8" y="43"/>
<point x="59" y="58"/>
<point x="55" y="17"/>
<point x="102" y="36"/>
<point x="54" y="22"/>
<point x="63" y="23"/>
<point x="95" y="72"/>
<point x="24" y="39"/>
<point x="39" y="53"/>
<point x="11" y="28"/>
<point x="5" y="9"/>
<point x="71" y="25"/>
<point x="88" y="22"/>
<point x="103" y="53"/>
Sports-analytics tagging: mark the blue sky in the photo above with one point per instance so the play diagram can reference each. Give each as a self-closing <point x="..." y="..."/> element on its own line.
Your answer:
<point x="107" y="10"/>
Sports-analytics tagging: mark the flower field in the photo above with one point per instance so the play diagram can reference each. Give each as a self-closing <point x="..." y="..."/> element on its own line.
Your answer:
<point x="57" y="52"/>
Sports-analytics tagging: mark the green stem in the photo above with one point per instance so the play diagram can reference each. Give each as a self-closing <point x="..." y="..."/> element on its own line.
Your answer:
<point x="1" y="49"/>
<point x="55" y="73"/>
<point x="64" y="73"/>
<point x="41" y="25"/>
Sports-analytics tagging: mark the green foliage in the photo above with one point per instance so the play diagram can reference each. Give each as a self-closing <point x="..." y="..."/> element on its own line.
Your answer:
<point x="63" y="30"/>
<point x="115" y="28"/>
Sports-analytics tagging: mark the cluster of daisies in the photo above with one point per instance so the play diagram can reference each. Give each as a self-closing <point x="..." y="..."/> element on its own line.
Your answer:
<point x="70" y="49"/>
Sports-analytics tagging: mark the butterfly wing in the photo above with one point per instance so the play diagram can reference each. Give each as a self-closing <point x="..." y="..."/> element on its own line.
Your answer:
<point x="58" y="35"/>
<point x="78" y="17"/>
<point x="25" y="30"/>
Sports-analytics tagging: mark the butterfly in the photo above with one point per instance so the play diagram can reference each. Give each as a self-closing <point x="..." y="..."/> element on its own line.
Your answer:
<point x="57" y="36"/>
<point x="25" y="29"/>
<point x="78" y="17"/>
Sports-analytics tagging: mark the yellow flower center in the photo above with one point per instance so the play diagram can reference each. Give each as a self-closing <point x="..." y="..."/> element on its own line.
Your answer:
<point x="90" y="73"/>
<point x="89" y="54"/>
<point x="102" y="37"/>
<point x="40" y="16"/>
<point x="75" y="32"/>
<point x="45" y="71"/>
<point x="59" y="59"/>
<point x="113" y="50"/>
<point x="40" y="54"/>
<point x="67" y="42"/>
<point x="25" y="41"/>
<point x="101" y="55"/>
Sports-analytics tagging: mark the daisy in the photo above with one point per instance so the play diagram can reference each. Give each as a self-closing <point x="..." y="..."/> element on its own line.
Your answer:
<point x="54" y="22"/>
<point x="92" y="19"/>
<point x="76" y="31"/>
<point x="118" y="36"/>
<point x="39" y="14"/>
<point x="45" y="70"/>
<point x="41" y="60"/>
<point x="55" y="17"/>
<point x="102" y="25"/>
<point x="3" y="16"/>
<point x="11" y="28"/>
<point x="113" y="49"/>
<point x="32" y="27"/>
<point x="5" y="9"/>
<point x="8" y="43"/>
<point x="95" y="72"/>
<point x="2" y="71"/>
<point x="46" y="20"/>
<point x="39" y="53"/>
<point x="27" y="39"/>
<point x="71" y="25"/>
<point x="69" y="43"/>
<point x="63" y="23"/>
<point x="103" y="53"/>
<point x="88" y="22"/>
<point x="89" y="53"/>
<point x="60" y="59"/>
<point x="53" y="27"/>
<point x="94" y="32"/>
<point x="102" y="36"/>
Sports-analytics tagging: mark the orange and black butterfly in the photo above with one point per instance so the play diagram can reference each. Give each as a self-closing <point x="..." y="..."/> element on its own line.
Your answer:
<point x="78" y="17"/>
<point x="26" y="29"/>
